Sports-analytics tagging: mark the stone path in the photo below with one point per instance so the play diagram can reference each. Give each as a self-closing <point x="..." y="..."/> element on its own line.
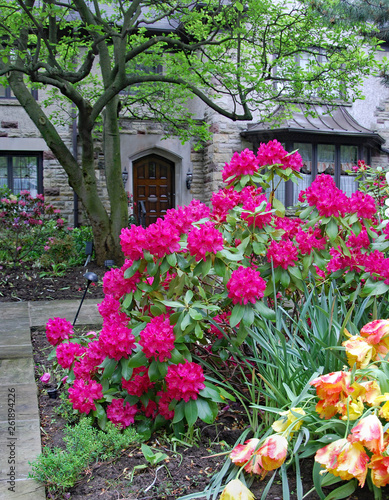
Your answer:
<point x="20" y="441"/>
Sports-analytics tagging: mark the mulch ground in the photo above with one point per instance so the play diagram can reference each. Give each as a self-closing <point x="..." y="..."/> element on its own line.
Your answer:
<point x="186" y="470"/>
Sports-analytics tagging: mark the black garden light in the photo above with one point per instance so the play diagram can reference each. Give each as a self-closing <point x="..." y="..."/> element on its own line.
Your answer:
<point x="92" y="278"/>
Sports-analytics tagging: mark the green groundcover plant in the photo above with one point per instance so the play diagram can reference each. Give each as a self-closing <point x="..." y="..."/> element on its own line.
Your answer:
<point x="204" y="278"/>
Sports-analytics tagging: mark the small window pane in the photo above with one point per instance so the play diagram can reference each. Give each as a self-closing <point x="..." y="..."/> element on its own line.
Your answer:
<point x="3" y="172"/>
<point x="2" y="91"/>
<point x="326" y="159"/>
<point x="25" y="174"/>
<point x="348" y="158"/>
<point x="305" y="151"/>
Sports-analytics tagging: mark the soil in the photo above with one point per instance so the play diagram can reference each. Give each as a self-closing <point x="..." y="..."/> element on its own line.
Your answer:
<point x="30" y="284"/>
<point x="188" y="469"/>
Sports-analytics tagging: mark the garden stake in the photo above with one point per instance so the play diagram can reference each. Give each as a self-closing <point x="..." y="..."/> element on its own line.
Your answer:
<point x="91" y="277"/>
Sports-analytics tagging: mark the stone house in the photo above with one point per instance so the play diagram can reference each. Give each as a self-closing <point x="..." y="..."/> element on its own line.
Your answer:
<point x="163" y="173"/>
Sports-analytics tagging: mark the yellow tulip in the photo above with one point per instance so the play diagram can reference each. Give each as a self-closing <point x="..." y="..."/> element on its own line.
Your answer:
<point x="288" y="418"/>
<point x="236" y="490"/>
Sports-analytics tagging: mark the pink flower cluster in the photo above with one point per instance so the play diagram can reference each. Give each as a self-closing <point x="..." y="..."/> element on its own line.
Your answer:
<point x="83" y="395"/>
<point x="67" y="352"/>
<point x="184" y="381"/>
<point x="282" y="253"/>
<point x="58" y="330"/>
<point x="205" y="239"/>
<point x="162" y="237"/>
<point x="157" y="339"/>
<point x="273" y="153"/>
<point x="115" y="284"/>
<point x="245" y="285"/>
<point x="121" y="413"/>
<point x="116" y="340"/>
<point x="139" y="382"/>
<point x="331" y="201"/>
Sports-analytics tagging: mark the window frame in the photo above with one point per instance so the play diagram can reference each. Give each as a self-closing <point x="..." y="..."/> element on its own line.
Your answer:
<point x="8" y="93"/>
<point x="9" y="155"/>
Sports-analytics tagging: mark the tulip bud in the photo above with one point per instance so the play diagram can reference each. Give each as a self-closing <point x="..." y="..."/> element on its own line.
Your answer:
<point x="236" y="490"/>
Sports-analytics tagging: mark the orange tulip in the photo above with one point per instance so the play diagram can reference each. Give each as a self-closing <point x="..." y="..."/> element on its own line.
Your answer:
<point x="375" y="331"/>
<point x="370" y="433"/>
<point x="344" y="459"/>
<point x="273" y="452"/>
<point x="332" y="385"/>
<point x="379" y="466"/>
<point x="242" y="453"/>
<point x="358" y="351"/>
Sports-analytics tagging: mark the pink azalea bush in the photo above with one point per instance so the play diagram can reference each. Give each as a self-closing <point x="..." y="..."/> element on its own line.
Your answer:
<point x="202" y="275"/>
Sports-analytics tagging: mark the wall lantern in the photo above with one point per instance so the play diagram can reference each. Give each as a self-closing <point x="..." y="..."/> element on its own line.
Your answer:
<point x="125" y="176"/>
<point x="189" y="179"/>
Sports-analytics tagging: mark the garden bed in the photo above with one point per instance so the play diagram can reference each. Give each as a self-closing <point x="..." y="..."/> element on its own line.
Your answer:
<point x="23" y="283"/>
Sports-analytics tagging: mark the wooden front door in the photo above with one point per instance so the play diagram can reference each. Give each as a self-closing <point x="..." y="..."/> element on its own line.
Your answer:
<point x="153" y="188"/>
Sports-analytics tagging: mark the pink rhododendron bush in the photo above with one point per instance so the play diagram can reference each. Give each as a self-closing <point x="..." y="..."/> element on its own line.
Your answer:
<point x="23" y="218"/>
<point x="345" y="426"/>
<point x="203" y="277"/>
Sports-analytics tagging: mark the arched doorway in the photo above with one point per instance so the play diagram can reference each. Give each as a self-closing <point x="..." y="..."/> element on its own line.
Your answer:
<point x="153" y="181"/>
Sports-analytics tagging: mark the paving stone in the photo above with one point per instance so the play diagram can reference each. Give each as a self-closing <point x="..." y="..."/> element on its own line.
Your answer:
<point x="41" y="312"/>
<point x="25" y="400"/>
<point x="24" y="489"/>
<point x="24" y="447"/>
<point x="15" y="351"/>
<point x="16" y="371"/>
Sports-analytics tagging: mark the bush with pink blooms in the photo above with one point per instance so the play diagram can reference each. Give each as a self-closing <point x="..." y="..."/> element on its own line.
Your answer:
<point x="23" y="218"/>
<point x="205" y="270"/>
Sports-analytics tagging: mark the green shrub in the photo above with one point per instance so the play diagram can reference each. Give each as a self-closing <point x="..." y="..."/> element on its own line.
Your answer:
<point x="60" y="469"/>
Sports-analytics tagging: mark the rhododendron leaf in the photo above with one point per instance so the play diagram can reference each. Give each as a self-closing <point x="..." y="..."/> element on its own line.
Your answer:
<point x="237" y="314"/>
<point x="188" y="296"/>
<point x="343" y="491"/>
<point x="137" y="360"/>
<point x="199" y="331"/>
<point x="164" y="266"/>
<point x="171" y="259"/>
<point x="304" y="214"/>
<point x="332" y="229"/>
<point x="219" y="267"/>
<point x="212" y="392"/>
<point x="195" y="314"/>
<point x="52" y="354"/>
<point x="126" y="369"/>
<point x="356" y="228"/>
<point x="280" y="209"/>
<point x="102" y="422"/>
<point x="129" y="272"/>
<point x="186" y="321"/>
<point x="202" y="267"/>
<point x="157" y="370"/>
<point x="241" y="335"/>
<point x="133" y="400"/>
<point x="353" y="219"/>
<point x="191" y="412"/>
<point x="244" y="180"/>
<point x="202" y="292"/>
<point x="295" y="271"/>
<point x="109" y="366"/>
<point x="147" y="255"/>
<point x="177" y="357"/>
<point x="207" y="410"/>
<point x="179" y="411"/>
<point x="152" y="268"/>
<point x="258" y="248"/>
<point x="264" y="311"/>
<point x="248" y="316"/>
<point x="173" y="303"/>
<point x="374" y="288"/>
<point x="138" y="294"/>
<point x="236" y="257"/>
<point x="285" y="278"/>
<point x="183" y="264"/>
<point x="127" y="300"/>
<point x="156" y="310"/>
